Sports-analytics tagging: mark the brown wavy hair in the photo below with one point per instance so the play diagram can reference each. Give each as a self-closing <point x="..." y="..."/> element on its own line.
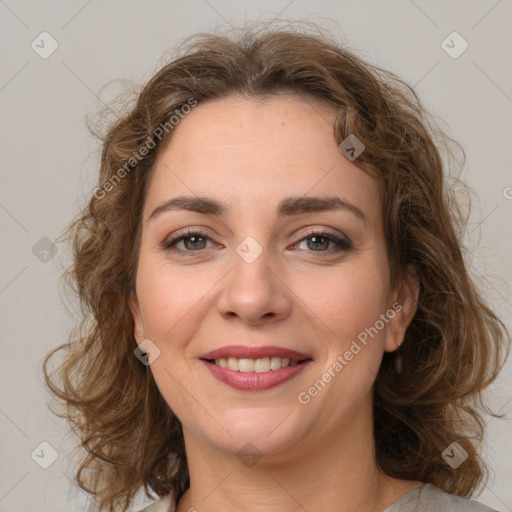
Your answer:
<point x="453" y="349"/>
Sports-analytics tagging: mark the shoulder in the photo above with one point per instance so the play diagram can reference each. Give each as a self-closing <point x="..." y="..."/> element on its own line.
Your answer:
<point x="429" y="498"/>
<point x="164" y="504"/>
<point x="441" y="501"/>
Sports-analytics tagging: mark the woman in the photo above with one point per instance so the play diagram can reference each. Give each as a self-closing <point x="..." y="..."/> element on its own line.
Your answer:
<point x="277" y="314"/>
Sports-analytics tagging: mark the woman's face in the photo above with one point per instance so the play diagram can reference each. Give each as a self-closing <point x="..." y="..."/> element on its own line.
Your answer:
<point x="267" y="267"/>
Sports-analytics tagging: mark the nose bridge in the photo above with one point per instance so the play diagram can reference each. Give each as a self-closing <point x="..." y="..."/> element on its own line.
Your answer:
<point x="252" y="278"/>
<point x="252" y="291"/>
<point x="249" y="250"/>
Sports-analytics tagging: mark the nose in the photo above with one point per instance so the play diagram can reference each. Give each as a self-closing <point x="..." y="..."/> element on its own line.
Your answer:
<point x="253" y="291"/>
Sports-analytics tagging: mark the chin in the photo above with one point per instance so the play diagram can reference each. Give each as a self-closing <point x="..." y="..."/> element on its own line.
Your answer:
<point x="258" y="429"/>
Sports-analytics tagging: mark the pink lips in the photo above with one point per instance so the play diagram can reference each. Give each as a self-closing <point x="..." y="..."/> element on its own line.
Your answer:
<point x="250" y="381"/>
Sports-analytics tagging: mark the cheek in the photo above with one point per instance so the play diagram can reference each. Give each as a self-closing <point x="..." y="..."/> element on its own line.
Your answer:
<point x="170" y="300"/>
<point x="345" y="301"/>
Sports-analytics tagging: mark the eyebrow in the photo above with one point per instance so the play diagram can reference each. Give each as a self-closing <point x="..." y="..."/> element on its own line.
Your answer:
<point x="294" y="205"/>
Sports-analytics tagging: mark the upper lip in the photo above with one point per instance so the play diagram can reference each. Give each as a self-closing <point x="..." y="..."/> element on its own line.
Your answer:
<point x="244" y="352"/>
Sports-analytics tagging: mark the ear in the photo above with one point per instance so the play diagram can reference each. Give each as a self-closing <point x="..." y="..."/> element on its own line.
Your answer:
<point x="404" y="302"/>
<point x="138" y="328"/>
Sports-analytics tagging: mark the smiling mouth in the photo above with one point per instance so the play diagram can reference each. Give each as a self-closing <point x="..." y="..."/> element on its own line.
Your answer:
<point x="261" y="365"/>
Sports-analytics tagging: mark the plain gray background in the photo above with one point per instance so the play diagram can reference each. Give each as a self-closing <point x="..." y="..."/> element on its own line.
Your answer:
<point x="49" y="161"/>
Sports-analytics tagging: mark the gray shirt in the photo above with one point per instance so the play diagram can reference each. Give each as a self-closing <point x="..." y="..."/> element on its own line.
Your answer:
<point x="426" y="498"/>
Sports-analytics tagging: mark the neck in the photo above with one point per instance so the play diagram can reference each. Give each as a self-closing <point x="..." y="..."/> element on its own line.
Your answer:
<point x="336" y="472"/>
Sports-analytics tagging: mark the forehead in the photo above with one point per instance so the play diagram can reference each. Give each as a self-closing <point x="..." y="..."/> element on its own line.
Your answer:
<point x="254" y="152"/>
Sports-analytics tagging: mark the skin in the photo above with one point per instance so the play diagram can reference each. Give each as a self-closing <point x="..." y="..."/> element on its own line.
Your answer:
<point x="249" y="154"/>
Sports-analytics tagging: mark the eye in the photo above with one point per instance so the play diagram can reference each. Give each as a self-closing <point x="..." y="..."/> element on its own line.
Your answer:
<point x="322" y="241"/>
<point x="193" y="241"/>
<point x="316" y="241"/>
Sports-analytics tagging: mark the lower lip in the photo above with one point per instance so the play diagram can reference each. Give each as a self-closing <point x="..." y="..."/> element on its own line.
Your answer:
<point x="251" y="381"/>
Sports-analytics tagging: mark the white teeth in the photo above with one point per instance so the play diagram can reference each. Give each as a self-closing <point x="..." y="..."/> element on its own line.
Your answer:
<point x="261" y="365"/>
<point x="246" y="365"/>
<point x="233" y="363"/>
<point x="277" y="362"/>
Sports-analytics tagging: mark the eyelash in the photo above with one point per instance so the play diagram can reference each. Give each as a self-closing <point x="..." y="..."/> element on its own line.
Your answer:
<point x="343" y="243"/>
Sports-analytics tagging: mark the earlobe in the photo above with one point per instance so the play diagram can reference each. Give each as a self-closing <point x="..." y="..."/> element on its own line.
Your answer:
<point x="405" y="305"/>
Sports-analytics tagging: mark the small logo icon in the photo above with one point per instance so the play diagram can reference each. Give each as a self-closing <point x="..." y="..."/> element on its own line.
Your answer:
<point x="249" y="249"/>
<point x="44" y="249"/>
<point x="454" y="45"/>
<point x="44" y="455"/>
<point x="249" y="455"/>
<point x="147" y="352"/>
<point x="507" y="192"/>
<point x="352" y="147"/>
<point x="44" y="45"/>
<point x="454" y="455"/>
